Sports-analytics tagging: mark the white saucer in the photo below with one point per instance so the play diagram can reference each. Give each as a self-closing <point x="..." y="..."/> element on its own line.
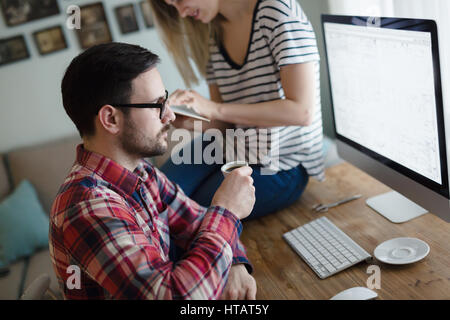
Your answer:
<point x="401" y="251"/>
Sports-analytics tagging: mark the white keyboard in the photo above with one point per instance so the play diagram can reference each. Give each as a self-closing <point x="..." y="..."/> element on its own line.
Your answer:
<point x="325" y="247"/>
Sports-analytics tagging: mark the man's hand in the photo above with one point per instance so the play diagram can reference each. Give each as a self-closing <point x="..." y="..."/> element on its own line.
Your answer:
<point x="236" y="193"/>
<point x="240" y="285"/>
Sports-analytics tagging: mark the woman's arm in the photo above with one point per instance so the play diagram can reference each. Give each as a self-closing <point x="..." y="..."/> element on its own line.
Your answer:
<point x="298" y="81"/>
<point x="188" y="123"/>
<point x="215" y="96"/>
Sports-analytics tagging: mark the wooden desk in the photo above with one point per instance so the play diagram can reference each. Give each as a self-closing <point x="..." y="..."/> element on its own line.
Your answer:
<point x="281" y="274"/>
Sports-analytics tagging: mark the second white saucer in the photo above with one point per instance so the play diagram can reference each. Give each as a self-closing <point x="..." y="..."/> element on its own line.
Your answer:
<point x="402" y="250"/>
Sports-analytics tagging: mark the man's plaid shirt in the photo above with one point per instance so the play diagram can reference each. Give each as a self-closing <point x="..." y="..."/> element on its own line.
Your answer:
<point x="116" y="226"/>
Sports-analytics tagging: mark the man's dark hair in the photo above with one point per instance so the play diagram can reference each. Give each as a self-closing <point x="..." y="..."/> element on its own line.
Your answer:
<point x="101" y="75"/>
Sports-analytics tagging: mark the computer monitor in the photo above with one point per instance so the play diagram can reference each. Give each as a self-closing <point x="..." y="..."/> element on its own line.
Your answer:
<point x="387" y="109"/>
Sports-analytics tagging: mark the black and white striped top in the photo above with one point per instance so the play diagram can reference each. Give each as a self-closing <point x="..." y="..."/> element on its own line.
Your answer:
<point x="281" y="35"/>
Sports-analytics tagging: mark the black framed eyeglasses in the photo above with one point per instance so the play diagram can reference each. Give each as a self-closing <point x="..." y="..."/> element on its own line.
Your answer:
<point x="161" y="104"/>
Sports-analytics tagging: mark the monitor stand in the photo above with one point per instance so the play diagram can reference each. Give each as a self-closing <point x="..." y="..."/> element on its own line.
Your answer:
<point x="395" y="207"/>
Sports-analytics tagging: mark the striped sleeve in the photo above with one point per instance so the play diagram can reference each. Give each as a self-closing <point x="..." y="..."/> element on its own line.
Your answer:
<point x="288" y="32"/>
<point x="210" y="79"/>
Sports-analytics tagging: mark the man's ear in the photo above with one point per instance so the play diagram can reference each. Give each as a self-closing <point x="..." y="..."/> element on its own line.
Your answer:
<point x="110" y="119"/>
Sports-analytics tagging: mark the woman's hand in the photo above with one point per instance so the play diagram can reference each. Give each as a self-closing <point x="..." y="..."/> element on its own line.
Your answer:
<point x="183" y="122"/>
<point x="193" y="100"/>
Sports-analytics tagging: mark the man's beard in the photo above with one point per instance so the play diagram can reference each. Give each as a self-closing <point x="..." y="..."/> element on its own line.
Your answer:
<point x="136" y="143"/>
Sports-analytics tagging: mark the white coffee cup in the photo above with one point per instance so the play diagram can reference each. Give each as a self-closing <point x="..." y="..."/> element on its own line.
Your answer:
<point x="230" y="166"/>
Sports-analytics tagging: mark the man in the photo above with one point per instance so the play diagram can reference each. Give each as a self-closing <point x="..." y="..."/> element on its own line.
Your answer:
<point x="115" y="215"/>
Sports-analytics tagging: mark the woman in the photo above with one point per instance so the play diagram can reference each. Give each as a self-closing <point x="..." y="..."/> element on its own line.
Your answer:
<point x="261" y="61"/>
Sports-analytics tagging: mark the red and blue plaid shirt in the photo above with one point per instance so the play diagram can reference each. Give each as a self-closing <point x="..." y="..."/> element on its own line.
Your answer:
<point x="115" y="227"/>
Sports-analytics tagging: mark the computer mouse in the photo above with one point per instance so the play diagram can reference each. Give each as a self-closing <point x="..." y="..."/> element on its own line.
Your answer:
<point x="356" y="293"/>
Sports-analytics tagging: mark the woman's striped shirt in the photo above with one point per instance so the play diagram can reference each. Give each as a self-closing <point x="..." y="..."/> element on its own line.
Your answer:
<point x="281" y="35"/>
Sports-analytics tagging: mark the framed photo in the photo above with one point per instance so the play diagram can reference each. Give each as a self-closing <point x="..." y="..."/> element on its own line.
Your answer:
<point x="13" y="49"/>
<point x="17" y="12"/>
<point x="50" y="40"/>
<point x="94" y="26"/>
<point x="126" y="17"/>
<point x="147" y="14"/>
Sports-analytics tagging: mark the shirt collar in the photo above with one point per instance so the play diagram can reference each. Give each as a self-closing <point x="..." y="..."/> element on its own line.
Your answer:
<point x="111" y="171"/>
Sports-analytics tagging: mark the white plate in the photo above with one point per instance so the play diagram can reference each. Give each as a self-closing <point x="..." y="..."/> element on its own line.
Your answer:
<point x="185" y="111"/>
<point x="401" y="251"/>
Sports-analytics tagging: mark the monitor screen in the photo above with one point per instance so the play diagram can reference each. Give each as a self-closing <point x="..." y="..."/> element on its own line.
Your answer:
<point x="386" y="94"/>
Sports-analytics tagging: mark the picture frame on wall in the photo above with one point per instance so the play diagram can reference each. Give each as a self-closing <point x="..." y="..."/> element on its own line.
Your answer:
<point x="94" y="26"/>
<point x="16" y="12"/>
<point x="50" y="40"/>
<point x="126" y="17"/>
<point x="13" y="49"/>
<point x="147" y="14"/>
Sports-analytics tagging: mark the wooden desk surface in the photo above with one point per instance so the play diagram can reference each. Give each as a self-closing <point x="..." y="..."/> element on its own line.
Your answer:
<point x="281" y="274"/>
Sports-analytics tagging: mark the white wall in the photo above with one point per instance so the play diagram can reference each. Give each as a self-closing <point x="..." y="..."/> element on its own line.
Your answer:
<point x="31" y="110"/>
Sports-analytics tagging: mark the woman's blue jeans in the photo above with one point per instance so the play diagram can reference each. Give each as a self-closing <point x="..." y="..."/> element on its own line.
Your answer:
<point x="273" y="192"/>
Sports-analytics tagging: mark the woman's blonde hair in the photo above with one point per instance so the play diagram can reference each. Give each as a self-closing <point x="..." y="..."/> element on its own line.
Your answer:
<point x="185" y="39"/>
